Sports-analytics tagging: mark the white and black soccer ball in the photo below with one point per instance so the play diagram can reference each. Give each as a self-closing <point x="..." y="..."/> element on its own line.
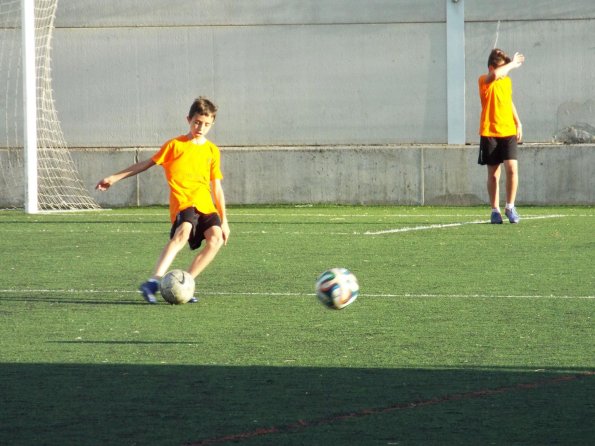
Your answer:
<point x="177" y="287"/>
<point x="336" y="288"/>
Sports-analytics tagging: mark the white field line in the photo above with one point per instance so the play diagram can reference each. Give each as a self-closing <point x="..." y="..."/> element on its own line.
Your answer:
<point x="295" y="294"/>
<point x="263" y="232"/>
<point x="451" y="225"/>
<point x="264" y="214"/>
<point x="292" y="214"/>
<point x="273" y="214"/>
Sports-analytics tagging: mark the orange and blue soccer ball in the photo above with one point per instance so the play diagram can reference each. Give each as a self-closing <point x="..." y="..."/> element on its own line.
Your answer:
<point x="336" y="288"/>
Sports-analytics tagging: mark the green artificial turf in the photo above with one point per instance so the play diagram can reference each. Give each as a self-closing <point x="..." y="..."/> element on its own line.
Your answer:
<point x="464" y="332"/>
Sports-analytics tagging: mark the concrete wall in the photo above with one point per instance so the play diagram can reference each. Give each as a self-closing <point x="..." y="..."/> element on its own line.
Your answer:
<point x="318" y="85"/>
<point x="403" y="175"/>
<point x="309" y="72"/>
<point x="400" y="175"/>
<point x="282" y="72"/>
<point x="556" y="86"/>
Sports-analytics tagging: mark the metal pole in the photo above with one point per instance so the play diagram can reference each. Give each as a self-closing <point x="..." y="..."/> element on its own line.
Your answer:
<point x="29" y="105"/>
<point x="455" y="70"/>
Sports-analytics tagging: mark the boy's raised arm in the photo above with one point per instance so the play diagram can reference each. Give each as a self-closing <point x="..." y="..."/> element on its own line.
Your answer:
<point x="141" y="166"/>
<point x="503" y="70"/>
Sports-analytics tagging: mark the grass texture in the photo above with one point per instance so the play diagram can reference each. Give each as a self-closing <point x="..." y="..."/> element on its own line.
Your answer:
<point x="464" y="332"/>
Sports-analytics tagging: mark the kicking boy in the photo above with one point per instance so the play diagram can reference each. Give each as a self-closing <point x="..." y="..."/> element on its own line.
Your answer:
<point x="500" y="129"/>
<point x="196" y="200"/>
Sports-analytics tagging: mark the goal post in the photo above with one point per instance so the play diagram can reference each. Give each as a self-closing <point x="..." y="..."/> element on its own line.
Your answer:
<point x="37" y="171"/>
<point x="29" y="105"/>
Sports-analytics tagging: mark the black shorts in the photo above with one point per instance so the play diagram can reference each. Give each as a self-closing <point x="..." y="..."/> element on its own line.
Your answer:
<point x="495" y="150"/>
<point x="200" y="223"/>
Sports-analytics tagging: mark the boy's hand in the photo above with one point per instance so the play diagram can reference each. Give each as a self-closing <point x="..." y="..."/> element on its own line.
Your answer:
<point x="104" y="184"/>
<point x="518" y="59"/>
<point x="225" y="230"/>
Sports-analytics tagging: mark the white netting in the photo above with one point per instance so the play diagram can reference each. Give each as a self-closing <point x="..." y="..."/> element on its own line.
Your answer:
<point x="59" y="186"/>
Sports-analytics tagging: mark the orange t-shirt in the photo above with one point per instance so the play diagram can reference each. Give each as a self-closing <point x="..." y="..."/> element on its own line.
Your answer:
<point x="189" y="169"/>
<point x="497" y="119"/>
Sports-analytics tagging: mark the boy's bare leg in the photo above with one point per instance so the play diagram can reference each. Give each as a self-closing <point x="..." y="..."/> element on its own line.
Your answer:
<point x="214" y="241"/>
<point x="512" y="179"/>
<point x="171" y="249"/>
<point x="493" y="185"/>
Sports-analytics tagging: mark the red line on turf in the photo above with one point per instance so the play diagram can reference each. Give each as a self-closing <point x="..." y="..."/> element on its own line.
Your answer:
<point x="476" y="394"/>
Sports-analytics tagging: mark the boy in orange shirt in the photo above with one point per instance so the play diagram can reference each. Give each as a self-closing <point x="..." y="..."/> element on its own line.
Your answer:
<point x="500" y="129"/>
<point x="196" y="200"/>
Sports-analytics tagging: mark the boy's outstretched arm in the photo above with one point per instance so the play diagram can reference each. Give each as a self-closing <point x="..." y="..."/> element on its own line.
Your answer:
<point x="141" y="166"/>
<point x="503" y="70"/>
<point x="219" y="198"/>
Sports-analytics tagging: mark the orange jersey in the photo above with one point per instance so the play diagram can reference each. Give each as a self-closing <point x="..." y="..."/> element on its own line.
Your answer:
<point x="189" y="169"/>
<point x="497" y="119"/>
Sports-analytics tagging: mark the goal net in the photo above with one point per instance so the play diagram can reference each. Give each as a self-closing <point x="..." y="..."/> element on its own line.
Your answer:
<point x="46" y="170"/>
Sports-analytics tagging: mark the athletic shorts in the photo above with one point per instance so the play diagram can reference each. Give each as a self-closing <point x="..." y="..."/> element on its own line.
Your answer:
<point x="200" y="223"/>
<point x="494" y="150"/>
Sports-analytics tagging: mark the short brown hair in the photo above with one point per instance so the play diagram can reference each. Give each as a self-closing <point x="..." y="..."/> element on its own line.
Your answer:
<point x="202" y="106"/>
<point x="497" y="58"/>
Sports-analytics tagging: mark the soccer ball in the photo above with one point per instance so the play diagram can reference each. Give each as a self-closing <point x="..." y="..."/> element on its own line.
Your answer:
<point x="336" y="288"/>
<point x="177" y="287"/>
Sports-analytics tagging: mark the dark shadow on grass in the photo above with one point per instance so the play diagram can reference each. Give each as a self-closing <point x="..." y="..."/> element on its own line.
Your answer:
<point x="74" y="404"/>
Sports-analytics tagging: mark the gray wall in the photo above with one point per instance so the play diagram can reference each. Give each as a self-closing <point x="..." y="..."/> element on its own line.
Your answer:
<point x="310" y="89"/>
<point x="556" y="86"/>
<point x="391" y="174"/>
<point x="309" y="72"/>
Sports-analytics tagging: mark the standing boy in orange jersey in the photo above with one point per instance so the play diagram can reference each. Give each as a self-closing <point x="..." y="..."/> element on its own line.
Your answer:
<point x="500" y="129"/>
<point x="196" y="200"/>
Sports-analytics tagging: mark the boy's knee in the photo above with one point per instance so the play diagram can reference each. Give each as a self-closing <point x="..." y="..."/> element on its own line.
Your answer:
<point x="493" y="178"/>
<point x="182" y="233"/>
<point x="511" y="166"/>
<point x="215" y="239"/>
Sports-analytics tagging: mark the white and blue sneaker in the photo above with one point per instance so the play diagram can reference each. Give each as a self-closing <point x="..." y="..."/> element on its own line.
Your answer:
<point x="512" y="215"/>
<point x="496" y="218"/>
<point x="149" y="290"/>
<point x="193" y="300"/>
